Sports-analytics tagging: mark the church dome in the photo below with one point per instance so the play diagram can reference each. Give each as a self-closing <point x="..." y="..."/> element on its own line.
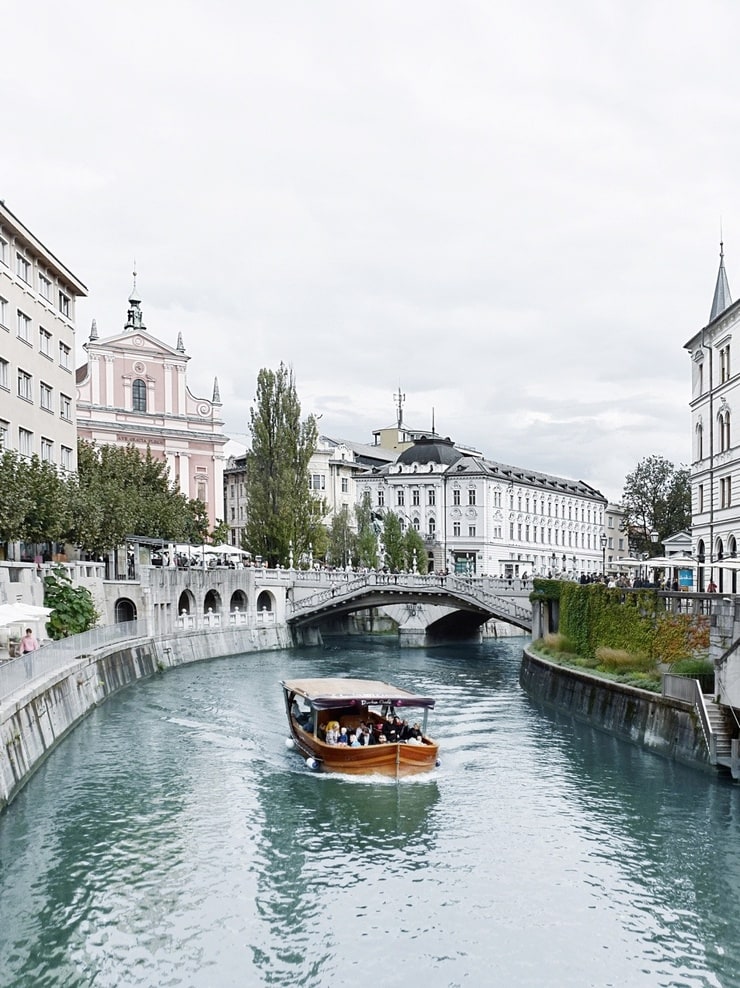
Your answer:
<point x="431" y="449"/>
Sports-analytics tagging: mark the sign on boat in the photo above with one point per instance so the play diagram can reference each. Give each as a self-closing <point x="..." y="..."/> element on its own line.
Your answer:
<point x="359" y="726"/>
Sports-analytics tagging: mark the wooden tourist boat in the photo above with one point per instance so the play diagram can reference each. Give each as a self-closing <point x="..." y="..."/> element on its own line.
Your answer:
<point x="395" y="723"/>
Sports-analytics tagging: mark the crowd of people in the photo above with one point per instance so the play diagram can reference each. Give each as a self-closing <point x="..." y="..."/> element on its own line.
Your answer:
<point x="387" y="730"/>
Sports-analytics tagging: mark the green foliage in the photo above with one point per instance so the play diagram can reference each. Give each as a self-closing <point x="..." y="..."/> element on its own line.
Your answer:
<point x="73" y="609"/>
<point x="395" y="556"/>
<point x="281" y="508"/>
<point x="119" y="492"/>
<point x="693" y="667"/>
<point x="34" y="500"/>
<point x="545" y="589"/>
<point x="657" y="497"/>
<point x="220" y="533"/>
<point x="342" y="547"/>
<point x="415" y="552"/>
<point x="367" y="533"/>
<point x="593" y="616"/>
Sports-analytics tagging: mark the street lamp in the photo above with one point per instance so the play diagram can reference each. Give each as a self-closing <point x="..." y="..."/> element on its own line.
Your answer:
<point x="603" y="541"/>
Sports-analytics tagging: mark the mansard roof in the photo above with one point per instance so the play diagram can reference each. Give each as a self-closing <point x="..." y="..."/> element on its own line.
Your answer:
<point x="430" y="449"/>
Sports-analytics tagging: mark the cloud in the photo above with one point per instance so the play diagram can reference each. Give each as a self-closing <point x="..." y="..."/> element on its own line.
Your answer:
<point x="510" y="211"/>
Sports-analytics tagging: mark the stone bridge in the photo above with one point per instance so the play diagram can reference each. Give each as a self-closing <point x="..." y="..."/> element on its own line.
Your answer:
<point x="427" y="609"/>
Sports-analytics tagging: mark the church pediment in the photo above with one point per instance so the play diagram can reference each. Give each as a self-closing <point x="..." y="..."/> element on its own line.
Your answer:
<point x="137" y="342"/>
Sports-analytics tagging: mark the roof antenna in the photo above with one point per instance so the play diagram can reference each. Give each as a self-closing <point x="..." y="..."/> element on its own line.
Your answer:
<point x="433" y="432"/>
<point x="400" y="398"/>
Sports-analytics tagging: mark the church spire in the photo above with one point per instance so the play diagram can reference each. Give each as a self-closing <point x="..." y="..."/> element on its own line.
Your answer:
<point x="134" y="318"/>
<point x="722" y="299"/>
<point x="216" y="393"/>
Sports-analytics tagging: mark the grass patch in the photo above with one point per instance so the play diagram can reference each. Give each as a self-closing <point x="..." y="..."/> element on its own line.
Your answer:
<point x="619" y="660"/>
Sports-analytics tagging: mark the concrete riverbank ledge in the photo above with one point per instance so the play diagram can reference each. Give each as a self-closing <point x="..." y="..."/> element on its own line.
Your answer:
<point x="660" y="724"/>
<point x="41" y="711"/>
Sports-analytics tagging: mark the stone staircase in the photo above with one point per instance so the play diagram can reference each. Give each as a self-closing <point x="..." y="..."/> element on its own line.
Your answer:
<point x="720" y="731"/>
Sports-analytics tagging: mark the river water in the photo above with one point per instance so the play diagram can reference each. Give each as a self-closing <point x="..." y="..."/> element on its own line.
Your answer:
<point x="172" y="839"/>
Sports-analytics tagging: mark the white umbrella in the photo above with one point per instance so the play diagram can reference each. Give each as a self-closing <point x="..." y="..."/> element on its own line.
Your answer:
<point x="20" y="612"/>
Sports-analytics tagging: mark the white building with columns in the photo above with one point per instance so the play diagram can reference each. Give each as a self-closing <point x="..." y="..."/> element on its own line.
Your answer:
<point x="489" y="519"/>
<point x="133" y="390"/>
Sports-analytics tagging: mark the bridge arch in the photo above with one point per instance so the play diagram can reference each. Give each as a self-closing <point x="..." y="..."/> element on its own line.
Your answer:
<point x="125" y="610"/>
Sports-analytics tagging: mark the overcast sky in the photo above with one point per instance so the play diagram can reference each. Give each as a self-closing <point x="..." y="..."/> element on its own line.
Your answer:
<point x="512" y="211"/>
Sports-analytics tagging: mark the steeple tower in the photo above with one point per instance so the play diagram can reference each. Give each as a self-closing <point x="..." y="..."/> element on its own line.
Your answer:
<point x="722" y="299"/>
<point x="134" y="318"/>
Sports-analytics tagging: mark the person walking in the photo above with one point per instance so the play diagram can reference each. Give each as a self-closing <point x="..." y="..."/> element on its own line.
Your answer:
<point x="29" y="642"/>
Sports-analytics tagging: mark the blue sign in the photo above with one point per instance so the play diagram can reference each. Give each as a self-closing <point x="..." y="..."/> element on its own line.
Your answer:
<point x="686" y="578"/>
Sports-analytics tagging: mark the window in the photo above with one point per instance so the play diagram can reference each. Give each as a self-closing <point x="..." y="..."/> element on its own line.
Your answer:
<point x="471" y="531"/>
<point x="44" y="341"/>
<point x="432" y="528"/>
<point x="46" y="397"/>
<point x="65" y="407"/>
<point x="471" y="497"/>
<point x="318" y="482"/>
<point x="400" y="497"/>
<point x="724" y="364"/>
<point x="725" y="492"/>
<point x="381" y="498"/>
<point x="724" y="431"/>
<point x="417" y="524"/>
<point x="432" y="497"/>
<point x="345" y="485"/>
<point x="4" y="376"/>
<point x="415" y="497"/>
<point x="700" y="507"/>
<point x="24" y="327"/>
<point x="25" y="442"/>
<point x="138" y="395"/>
<point x="64" y="304"/>
<point x="23" y="268"/>
<point x="47" y="450"/>
<point x="45" y="287"/>
<point x="25" y="389"/>
<point x="3" y="312"/>
<point x="699" y="441"/>
<point x="64" y="356"/>
<point x="4" y="251"/>
<point x="4" y="427"/>
<point x="610" y="542"/>
<point x="456" y="529"/>
<point x="456" y="497"/>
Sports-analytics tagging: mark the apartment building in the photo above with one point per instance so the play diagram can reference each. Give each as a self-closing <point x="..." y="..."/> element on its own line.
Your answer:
<point x="37" y="347"/>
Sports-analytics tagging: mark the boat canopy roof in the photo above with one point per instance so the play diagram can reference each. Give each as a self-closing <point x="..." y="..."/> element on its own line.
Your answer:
<point x="325" y="694"/>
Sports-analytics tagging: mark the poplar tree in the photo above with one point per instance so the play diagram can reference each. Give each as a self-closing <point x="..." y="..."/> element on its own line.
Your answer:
<point x="281" y="510"/>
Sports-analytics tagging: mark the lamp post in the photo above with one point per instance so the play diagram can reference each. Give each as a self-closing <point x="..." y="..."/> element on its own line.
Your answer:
<point x="603" y="541"/>
<point x="654" y="536"/>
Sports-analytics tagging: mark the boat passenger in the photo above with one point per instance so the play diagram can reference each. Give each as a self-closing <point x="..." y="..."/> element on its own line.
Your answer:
<point x="332" y="732"/>
<point x="354" y="742"/>
<point x="382" y="739"/>
<point x="343" y="737"/>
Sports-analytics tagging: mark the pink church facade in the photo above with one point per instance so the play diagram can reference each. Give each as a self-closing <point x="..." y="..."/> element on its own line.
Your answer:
<point x="133" y="390"/>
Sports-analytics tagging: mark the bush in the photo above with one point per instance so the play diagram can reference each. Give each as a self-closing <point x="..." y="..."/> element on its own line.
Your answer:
<point x="693" y="668"/>
<point x="619" y="660"/>
<point x="73" y="609"/>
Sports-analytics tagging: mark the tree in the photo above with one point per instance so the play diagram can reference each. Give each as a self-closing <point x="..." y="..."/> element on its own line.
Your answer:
<point x="342" y="540"/>
<point x="368" y="528"/>
<point x="73" y="609"/>
<point x="119" y="492"/>
<point x="656" y="498"/>
<point x="415" y="551"/>
<point x="47" y="513"/>
<point x="395" y="555"/>
<point x="13" y="497"/>
<point x="220" y="533"/>
<point x="281" y="510"/>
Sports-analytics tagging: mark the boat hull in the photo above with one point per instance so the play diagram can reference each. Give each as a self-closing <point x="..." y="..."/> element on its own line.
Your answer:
<point x="396" y="759"/>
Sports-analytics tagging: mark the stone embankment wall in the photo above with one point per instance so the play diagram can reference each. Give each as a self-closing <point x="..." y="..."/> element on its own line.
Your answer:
<point x="34" y="720"/>
<point x="660" y="724"/>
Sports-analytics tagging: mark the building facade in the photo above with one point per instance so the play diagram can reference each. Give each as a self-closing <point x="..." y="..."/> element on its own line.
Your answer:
<point x="133" y="390"/>
<point x="715" y="391"/>
<point x="485" y="518"/>
<point x="37" y="347"/>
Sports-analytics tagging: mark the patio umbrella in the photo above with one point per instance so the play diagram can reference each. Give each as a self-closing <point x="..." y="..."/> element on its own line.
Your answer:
<point x="19" y="612"/>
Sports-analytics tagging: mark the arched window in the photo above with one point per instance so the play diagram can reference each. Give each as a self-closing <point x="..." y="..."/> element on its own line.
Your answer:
<point x="699" y="441"/>
<point x="432" y="528"/>
<point x="724" y="430"/>
<point x="138" y="394"/>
